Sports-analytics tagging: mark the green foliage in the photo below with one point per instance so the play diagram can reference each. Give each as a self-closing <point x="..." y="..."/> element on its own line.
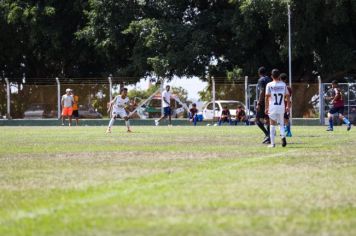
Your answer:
<point x="167" y="37"/>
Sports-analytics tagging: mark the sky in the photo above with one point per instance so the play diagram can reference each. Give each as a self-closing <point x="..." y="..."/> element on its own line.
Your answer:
<point x="192" y="85"/>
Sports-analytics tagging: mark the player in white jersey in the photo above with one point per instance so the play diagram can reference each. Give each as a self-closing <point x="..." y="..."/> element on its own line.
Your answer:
<point x="275" y="105"/>
<point x="166" y="104"/>
<point x="117" y="108"/>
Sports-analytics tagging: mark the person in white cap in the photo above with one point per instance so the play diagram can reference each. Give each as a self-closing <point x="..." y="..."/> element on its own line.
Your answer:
<point x="67" y="106"/>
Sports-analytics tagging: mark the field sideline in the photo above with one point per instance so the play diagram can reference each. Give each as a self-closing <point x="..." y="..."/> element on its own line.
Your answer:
<point x="177" y="180"/>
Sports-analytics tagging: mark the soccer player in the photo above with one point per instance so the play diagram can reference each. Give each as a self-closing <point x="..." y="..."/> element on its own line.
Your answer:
<point x="261" y="117"/>
<point x="118" y="108"/>
<point x="276" y="95"/>
<point x="67" y="106"/>
<point x="337" y="102"/>
<point x="166" y="104"/>
<point x="75" y="107"/>
<point x="193" y="114"/>
<point x="288" y="131"/>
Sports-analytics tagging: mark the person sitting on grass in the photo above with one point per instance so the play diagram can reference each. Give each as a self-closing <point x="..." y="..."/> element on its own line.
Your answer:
<point x="193" y="114"/>
<point x="225" y="116"/>
<point x="240" y="115"/>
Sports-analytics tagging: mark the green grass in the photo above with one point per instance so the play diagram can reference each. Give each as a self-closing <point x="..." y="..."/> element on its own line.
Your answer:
<point x="176" y="181"/>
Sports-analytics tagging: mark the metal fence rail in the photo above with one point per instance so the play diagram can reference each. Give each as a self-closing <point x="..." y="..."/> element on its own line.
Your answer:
<point x="19" y="99"/>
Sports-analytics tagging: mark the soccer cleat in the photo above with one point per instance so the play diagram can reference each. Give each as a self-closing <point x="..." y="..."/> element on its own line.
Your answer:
<point x="266" y="140"/>
<point x="108" y="131"/>
<point x="289" y="134"/>
<point x="156" y="123"/>
<point x="284" y="142"/>
<point x="271" y="146"/>
<point x="329" y="129"/>
<point x="129" y="131"/>
<point x="349" y="127"/>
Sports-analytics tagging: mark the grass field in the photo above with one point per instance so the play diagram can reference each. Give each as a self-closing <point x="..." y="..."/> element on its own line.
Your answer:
<point x="176" y="181"/>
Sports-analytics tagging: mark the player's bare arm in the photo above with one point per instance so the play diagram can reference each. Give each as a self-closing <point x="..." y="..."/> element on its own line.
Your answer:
<point x="288" y="102"/>
<point x="267" y="96"/>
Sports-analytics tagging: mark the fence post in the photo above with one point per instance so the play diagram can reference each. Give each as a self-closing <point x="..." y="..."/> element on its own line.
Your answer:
<point x="58" y="98"/>
<point x="247" y="100"/>
<point x="213" y="88"/>
<point x="110" y="87"/>
<point x="8" y="115"/>
<point x="161" y="91"/>
<point x="321" y="102"/>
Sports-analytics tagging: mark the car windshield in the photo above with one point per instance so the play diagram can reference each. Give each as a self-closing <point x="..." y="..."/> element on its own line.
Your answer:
<point x="231" y="105"/>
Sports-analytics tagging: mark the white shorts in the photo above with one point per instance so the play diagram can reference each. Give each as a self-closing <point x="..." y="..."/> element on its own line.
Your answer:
<point x="121" y="112"/>
<point x="278" y="117"/>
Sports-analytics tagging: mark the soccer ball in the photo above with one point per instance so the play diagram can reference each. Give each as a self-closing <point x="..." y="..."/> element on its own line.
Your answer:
<point x="207" y="124"/>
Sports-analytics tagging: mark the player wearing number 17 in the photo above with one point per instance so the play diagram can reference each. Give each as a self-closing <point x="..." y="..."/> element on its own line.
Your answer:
<point x="277" y="102"/>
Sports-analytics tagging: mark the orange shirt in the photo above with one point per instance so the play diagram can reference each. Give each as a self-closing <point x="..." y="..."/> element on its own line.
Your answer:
<point x="75" y="105"/>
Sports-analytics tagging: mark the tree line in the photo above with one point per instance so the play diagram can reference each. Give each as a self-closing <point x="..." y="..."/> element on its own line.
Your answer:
<point x="137" y="38"/>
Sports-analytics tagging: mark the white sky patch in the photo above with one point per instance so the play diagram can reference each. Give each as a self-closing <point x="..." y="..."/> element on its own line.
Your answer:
<point x="192" y="85"/>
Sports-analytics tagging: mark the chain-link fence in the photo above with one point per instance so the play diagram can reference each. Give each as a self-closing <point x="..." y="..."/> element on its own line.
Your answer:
<point x="42" y="100"/>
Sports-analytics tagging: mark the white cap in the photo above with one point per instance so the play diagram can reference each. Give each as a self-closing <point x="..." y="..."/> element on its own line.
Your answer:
<point x="68" y="90"/>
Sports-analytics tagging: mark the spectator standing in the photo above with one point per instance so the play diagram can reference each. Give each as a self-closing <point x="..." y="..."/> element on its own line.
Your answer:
<point x="67" y="106"/>
<point x="75" y="107"/>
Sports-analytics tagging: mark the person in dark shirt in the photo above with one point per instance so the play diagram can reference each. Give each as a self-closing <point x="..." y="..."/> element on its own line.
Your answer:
<point x="225" y="116"/>
<point x="240" y="115"/>
<point x="261" y="117"/>
<point x="337" y="106"/>
<point x="193" y="114"/>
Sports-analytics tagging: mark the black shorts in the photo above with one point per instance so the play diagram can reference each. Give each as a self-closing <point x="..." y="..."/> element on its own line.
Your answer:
<point x="286" y="115"/>
<point x="167" y="111"/>
<point x="339" y="110"/>
<point x="75" y="114"/>
<point x="261" y="113"/>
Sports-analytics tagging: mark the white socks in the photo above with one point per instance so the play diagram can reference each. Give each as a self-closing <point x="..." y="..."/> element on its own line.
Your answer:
<point x="282" y="130"/>
<point x="111" y="123"/>
<point x="272" y="133"/>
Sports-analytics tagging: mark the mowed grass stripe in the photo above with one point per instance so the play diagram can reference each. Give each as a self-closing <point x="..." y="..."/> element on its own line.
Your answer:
<point x="302" y="189"/>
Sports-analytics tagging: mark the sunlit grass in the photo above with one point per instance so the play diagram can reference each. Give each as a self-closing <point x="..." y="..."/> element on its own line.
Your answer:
<point x="176" y="181"/>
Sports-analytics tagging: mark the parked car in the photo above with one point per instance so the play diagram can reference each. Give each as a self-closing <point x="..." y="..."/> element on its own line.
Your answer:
<point x="209" y="114"/>
<point x="40" y="111"/>
<point x="88" y="112"/>
<point x="153" y="108"/>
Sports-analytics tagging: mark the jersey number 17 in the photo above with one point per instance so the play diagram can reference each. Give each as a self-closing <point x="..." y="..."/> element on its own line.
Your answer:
<point x="278" y="97"/>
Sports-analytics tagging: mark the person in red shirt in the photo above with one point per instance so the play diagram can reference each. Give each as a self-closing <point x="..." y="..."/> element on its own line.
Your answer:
<point x="240" y="115"/>
<point x="225" y="116"/>
<point x="337" y="106"/>
<point x="193" y="114"/>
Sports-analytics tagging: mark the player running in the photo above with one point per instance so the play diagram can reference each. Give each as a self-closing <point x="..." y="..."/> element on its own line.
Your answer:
<point x="276" y="95"/>
<point x="337" y="102"/>
<point x="118" y="107"/>
<point x="166" y="104"/>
